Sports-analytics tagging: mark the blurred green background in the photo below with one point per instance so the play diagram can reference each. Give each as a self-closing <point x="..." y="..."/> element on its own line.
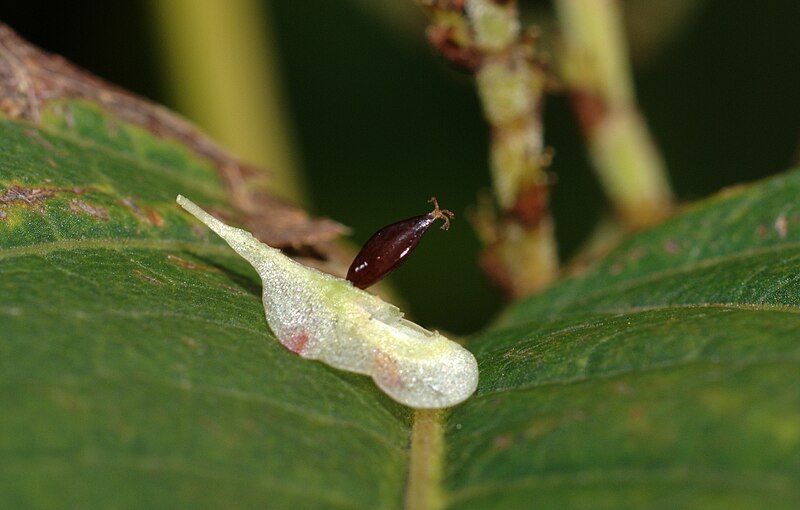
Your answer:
<point x="377" y="124"/>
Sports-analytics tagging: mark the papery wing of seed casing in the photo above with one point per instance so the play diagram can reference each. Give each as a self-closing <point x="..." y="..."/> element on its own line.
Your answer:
<point x="321" y="317"/>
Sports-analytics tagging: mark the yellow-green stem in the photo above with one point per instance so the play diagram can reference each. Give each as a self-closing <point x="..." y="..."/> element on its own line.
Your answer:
<point x="423" y="488"/>
<point x="223" y="73"/>
<point x="596" y="69"/>
<point x="485" y="37"/>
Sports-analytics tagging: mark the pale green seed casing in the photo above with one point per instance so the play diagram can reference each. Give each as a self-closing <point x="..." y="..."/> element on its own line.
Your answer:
<point x="325" y="318"/>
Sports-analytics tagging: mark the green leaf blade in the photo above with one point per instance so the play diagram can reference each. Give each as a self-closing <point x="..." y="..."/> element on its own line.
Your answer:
<point x="754" y="231"/>
<point x="665" y="376"/>
<point x="136" y="366"/>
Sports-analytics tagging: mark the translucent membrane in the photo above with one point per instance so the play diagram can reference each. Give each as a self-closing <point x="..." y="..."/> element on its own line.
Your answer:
<point x="321" y="317"/>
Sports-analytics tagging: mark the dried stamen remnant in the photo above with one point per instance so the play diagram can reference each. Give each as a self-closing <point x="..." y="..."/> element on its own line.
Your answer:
<point x="321" y="317"/>
<point x="390" y="246"/>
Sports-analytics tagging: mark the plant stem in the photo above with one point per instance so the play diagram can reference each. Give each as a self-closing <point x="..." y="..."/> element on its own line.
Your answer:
<point x="484" y="38"/>
<point x="223" y="72"/>
<point x="423" y="489"/>
<point x="596" y="69"/>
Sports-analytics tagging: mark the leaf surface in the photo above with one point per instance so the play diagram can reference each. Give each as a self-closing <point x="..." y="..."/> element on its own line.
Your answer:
<point x="666" y="377"/>
<point x="135" y="362"/>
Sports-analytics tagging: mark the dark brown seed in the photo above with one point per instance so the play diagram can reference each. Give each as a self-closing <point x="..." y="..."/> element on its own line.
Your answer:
<point x="390" y="246"/>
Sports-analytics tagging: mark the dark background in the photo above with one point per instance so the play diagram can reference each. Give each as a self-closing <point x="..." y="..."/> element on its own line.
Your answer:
<point x="382" y="124"/>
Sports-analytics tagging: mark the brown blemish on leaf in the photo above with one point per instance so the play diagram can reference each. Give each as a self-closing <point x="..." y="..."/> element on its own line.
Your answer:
<point x="670" y="246"/>
<point x="502" y="442"/>
<point x="147" y="215"/>
<point x="782" y="226"/>
<point x="761" y="231"/>
<point x="193" y="344"/>
<point x="541" y="427"/>
<point x="27" y="196"/>
<point x="146" y="277"/>
<point x="30" y="79"/>
<point x="521" y="354"/>
<point x="95" y="211"/>
<point x="545" y="425"/>
<point x="496" y="403"/>
<point x="182" y="262"/>
<point x="636" y="414"/>
<point x="135" y="209"/>
<point x="622" y="388"/>
<point x="37" y="137"/>
<point x="191" y="265"/>
<point x="200" y="232"/>
<point x="155" y="218"/>
<point x="67" y="401"/>
<point x="239" y="291"/>
<point x="35" y="197"/>
<point x="637" y="254"/>
<point x="190" y="342"/>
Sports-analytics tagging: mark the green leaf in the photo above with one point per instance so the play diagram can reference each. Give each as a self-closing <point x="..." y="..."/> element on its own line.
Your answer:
<point x="137" y="370"/>
<point x="668" y="376"/>
<point x="136" y="367"/>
